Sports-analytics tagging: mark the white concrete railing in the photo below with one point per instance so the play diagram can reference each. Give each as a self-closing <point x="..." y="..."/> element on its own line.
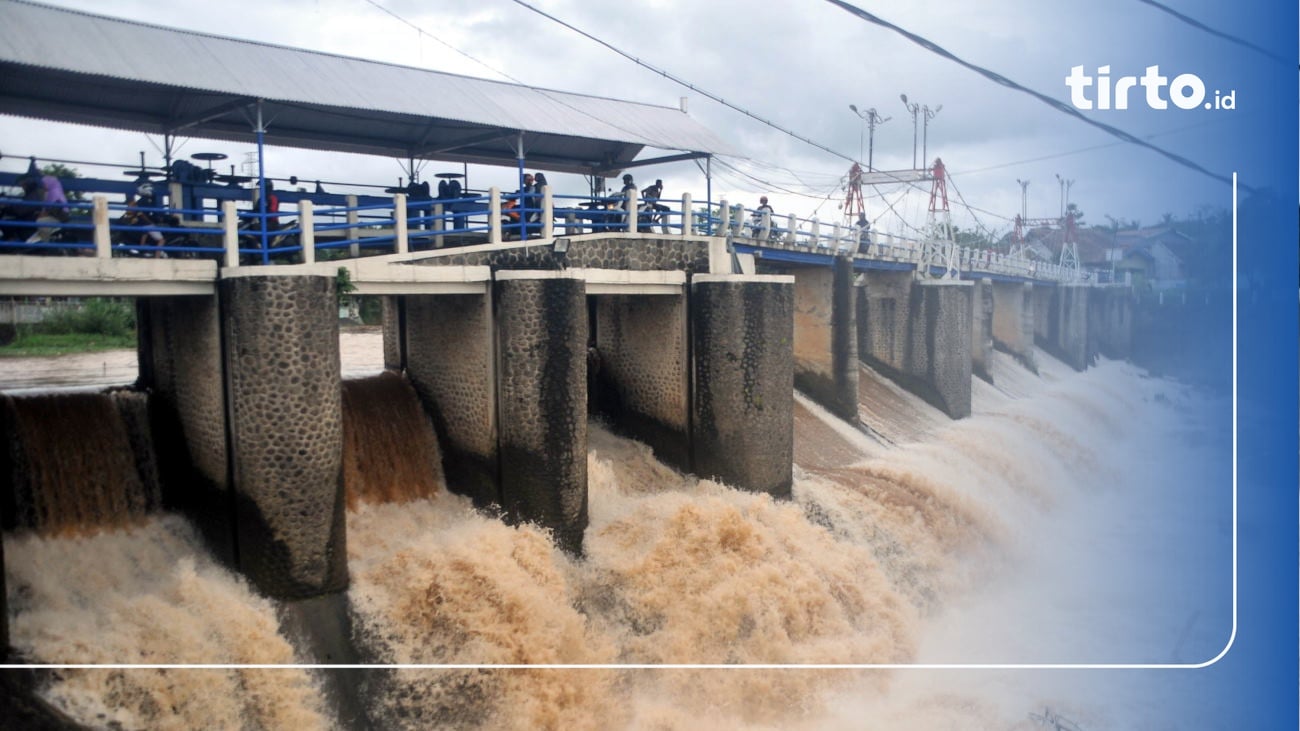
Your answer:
<point x="761" y="228"/>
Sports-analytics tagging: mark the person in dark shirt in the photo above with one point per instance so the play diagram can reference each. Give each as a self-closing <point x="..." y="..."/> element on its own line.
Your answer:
<point x="650" y="202"/>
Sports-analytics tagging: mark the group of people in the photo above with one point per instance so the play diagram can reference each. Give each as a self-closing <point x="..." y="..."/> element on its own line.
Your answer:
<point x="43" y="202"/>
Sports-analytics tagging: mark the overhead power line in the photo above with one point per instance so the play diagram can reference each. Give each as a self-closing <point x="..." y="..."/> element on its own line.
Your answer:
<point x="683" y="82"/>
<point x="1053" y="103"/>
<point x="1216" y="33"/>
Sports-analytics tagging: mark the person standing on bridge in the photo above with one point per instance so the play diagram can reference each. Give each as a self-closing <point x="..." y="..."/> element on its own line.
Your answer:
<point x="650" y="202"/>
<point x="757" y="219"/>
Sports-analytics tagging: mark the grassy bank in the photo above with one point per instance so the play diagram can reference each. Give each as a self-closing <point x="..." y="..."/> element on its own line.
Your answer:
<point x="27" y="345"/>
<point x="99" y="324"/>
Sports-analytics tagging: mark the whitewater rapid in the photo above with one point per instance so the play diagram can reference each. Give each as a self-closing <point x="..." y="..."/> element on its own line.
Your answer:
<point x="1074" y="518"/>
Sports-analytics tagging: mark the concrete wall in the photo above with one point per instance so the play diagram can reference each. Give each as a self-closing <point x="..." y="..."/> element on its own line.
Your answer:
<point x="919" y="335"/>
<point x="285" y="405"/>
<point x="742" y="331"/>
<point x="1013" y="321"/>
<point x="981" y="336"/>
<point x="825" y="337"/>
<point x="542" y="386"/>
<point x="182" y="365"/>
<point x="640" y="372"/>
<point x="451" y="362"/>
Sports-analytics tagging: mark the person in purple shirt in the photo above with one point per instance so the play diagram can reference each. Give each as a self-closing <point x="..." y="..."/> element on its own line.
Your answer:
<point x="55" y="210"/>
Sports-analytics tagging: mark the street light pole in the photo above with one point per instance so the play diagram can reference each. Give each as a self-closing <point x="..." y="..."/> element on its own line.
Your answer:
<point x="1065" y="192"/>
<point x="914" y="109"/>
<point x="870" y="118"/>
<point x="1024" y="199"/>
<point x="925" y="134"/>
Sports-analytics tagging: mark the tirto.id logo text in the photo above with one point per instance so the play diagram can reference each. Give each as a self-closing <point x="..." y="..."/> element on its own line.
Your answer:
<point x="1185" y="91"/>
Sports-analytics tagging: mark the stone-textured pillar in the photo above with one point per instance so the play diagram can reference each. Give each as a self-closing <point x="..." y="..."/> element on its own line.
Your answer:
<point x="1114" y="320"/>
<point x="1013" y="321"/>
<point x="1042" y="300"/>
<point x="1067" y="327"/>
<point x="182" y="350"/>
<point x="918" y="333"/>
<point x="743" y="400"/>
<point x="451" y="361"/>
<point x="640" y="371"/>
<point x="392" y="313"/>
<point x="282" y="375"/>
<point x="981" y="335"/>
<point x="826" y="337"/>
<point x="939" y="358"/>
<point x="542" y="390"/>
<point x="883" y="305"/>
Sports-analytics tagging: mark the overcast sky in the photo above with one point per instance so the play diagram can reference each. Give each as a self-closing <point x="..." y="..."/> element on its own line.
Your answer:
<point x="799" y="63"/>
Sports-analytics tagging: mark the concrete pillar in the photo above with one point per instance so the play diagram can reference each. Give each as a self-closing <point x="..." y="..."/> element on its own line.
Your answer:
<point x="981" y="335"/>
<point x="1067" y="324"/>
<point x="640" y="371"/>
<point x="918" y="333"/>
<point x="451" y="362"/>
<point x="392" y="313"/>
<point x="939" y="358"/>
<point x="1013" y="321"/>
<point x="1110" y="320"/>
<point x="742" y="330"/>
<point x="1042" y="300"/>
<point x="542" y="390"/>
<point x="181" y="364"/>
<point x="826" y="337"/>
<point x="882" y="317"/>
<point x="286" y="432"/>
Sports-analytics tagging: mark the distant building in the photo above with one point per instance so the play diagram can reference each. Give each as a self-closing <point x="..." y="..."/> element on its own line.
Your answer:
<point x="1148" y="255"/>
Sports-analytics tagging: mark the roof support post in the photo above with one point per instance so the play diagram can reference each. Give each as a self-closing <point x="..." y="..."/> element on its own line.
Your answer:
<point x="688" y="216"/>
<point x="631" y="204"/>
<point x="260" y="130"/>
<point x="724" y="217"/>
<point x="708" y="192"/>
<point x="523" y="201"/>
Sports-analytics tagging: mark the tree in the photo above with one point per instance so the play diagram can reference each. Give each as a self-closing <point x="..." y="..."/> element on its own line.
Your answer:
<point x="64" y="172"/>
<point x="1073" y="208"/>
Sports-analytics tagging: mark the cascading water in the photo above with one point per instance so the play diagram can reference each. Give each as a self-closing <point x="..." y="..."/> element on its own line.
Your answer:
<point x="78" y="462"/>
<point x="930" y="541"/>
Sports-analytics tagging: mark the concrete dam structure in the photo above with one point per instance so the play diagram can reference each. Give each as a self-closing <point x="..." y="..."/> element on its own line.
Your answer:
<point x="510" y="346"/>
<point x="241" y="422"/>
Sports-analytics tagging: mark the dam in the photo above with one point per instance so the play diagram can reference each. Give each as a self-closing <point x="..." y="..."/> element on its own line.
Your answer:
<point x="596" y="451"/>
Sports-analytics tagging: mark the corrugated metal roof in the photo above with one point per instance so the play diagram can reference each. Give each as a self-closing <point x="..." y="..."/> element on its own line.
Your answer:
<point x="69" y="65"/>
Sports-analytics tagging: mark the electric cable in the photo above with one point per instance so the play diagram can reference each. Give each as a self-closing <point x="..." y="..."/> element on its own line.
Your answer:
<point x="683" y="82"/>
<point x="1053" y="103"/>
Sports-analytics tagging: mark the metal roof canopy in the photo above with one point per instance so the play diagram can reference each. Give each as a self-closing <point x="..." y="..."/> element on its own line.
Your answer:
<point x="71" y="66"/>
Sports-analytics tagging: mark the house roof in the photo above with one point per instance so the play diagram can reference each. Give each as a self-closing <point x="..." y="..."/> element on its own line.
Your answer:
<point x="1093" y="244"/>
<point x="73" y="66"/>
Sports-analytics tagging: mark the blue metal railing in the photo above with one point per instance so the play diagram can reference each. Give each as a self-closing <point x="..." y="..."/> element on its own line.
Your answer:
<point x="362" y="225"/>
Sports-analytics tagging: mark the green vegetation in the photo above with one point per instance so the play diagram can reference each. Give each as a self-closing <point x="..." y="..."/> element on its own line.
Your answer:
<point x="99" y="324"/>
<point x="29" y="344"/>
